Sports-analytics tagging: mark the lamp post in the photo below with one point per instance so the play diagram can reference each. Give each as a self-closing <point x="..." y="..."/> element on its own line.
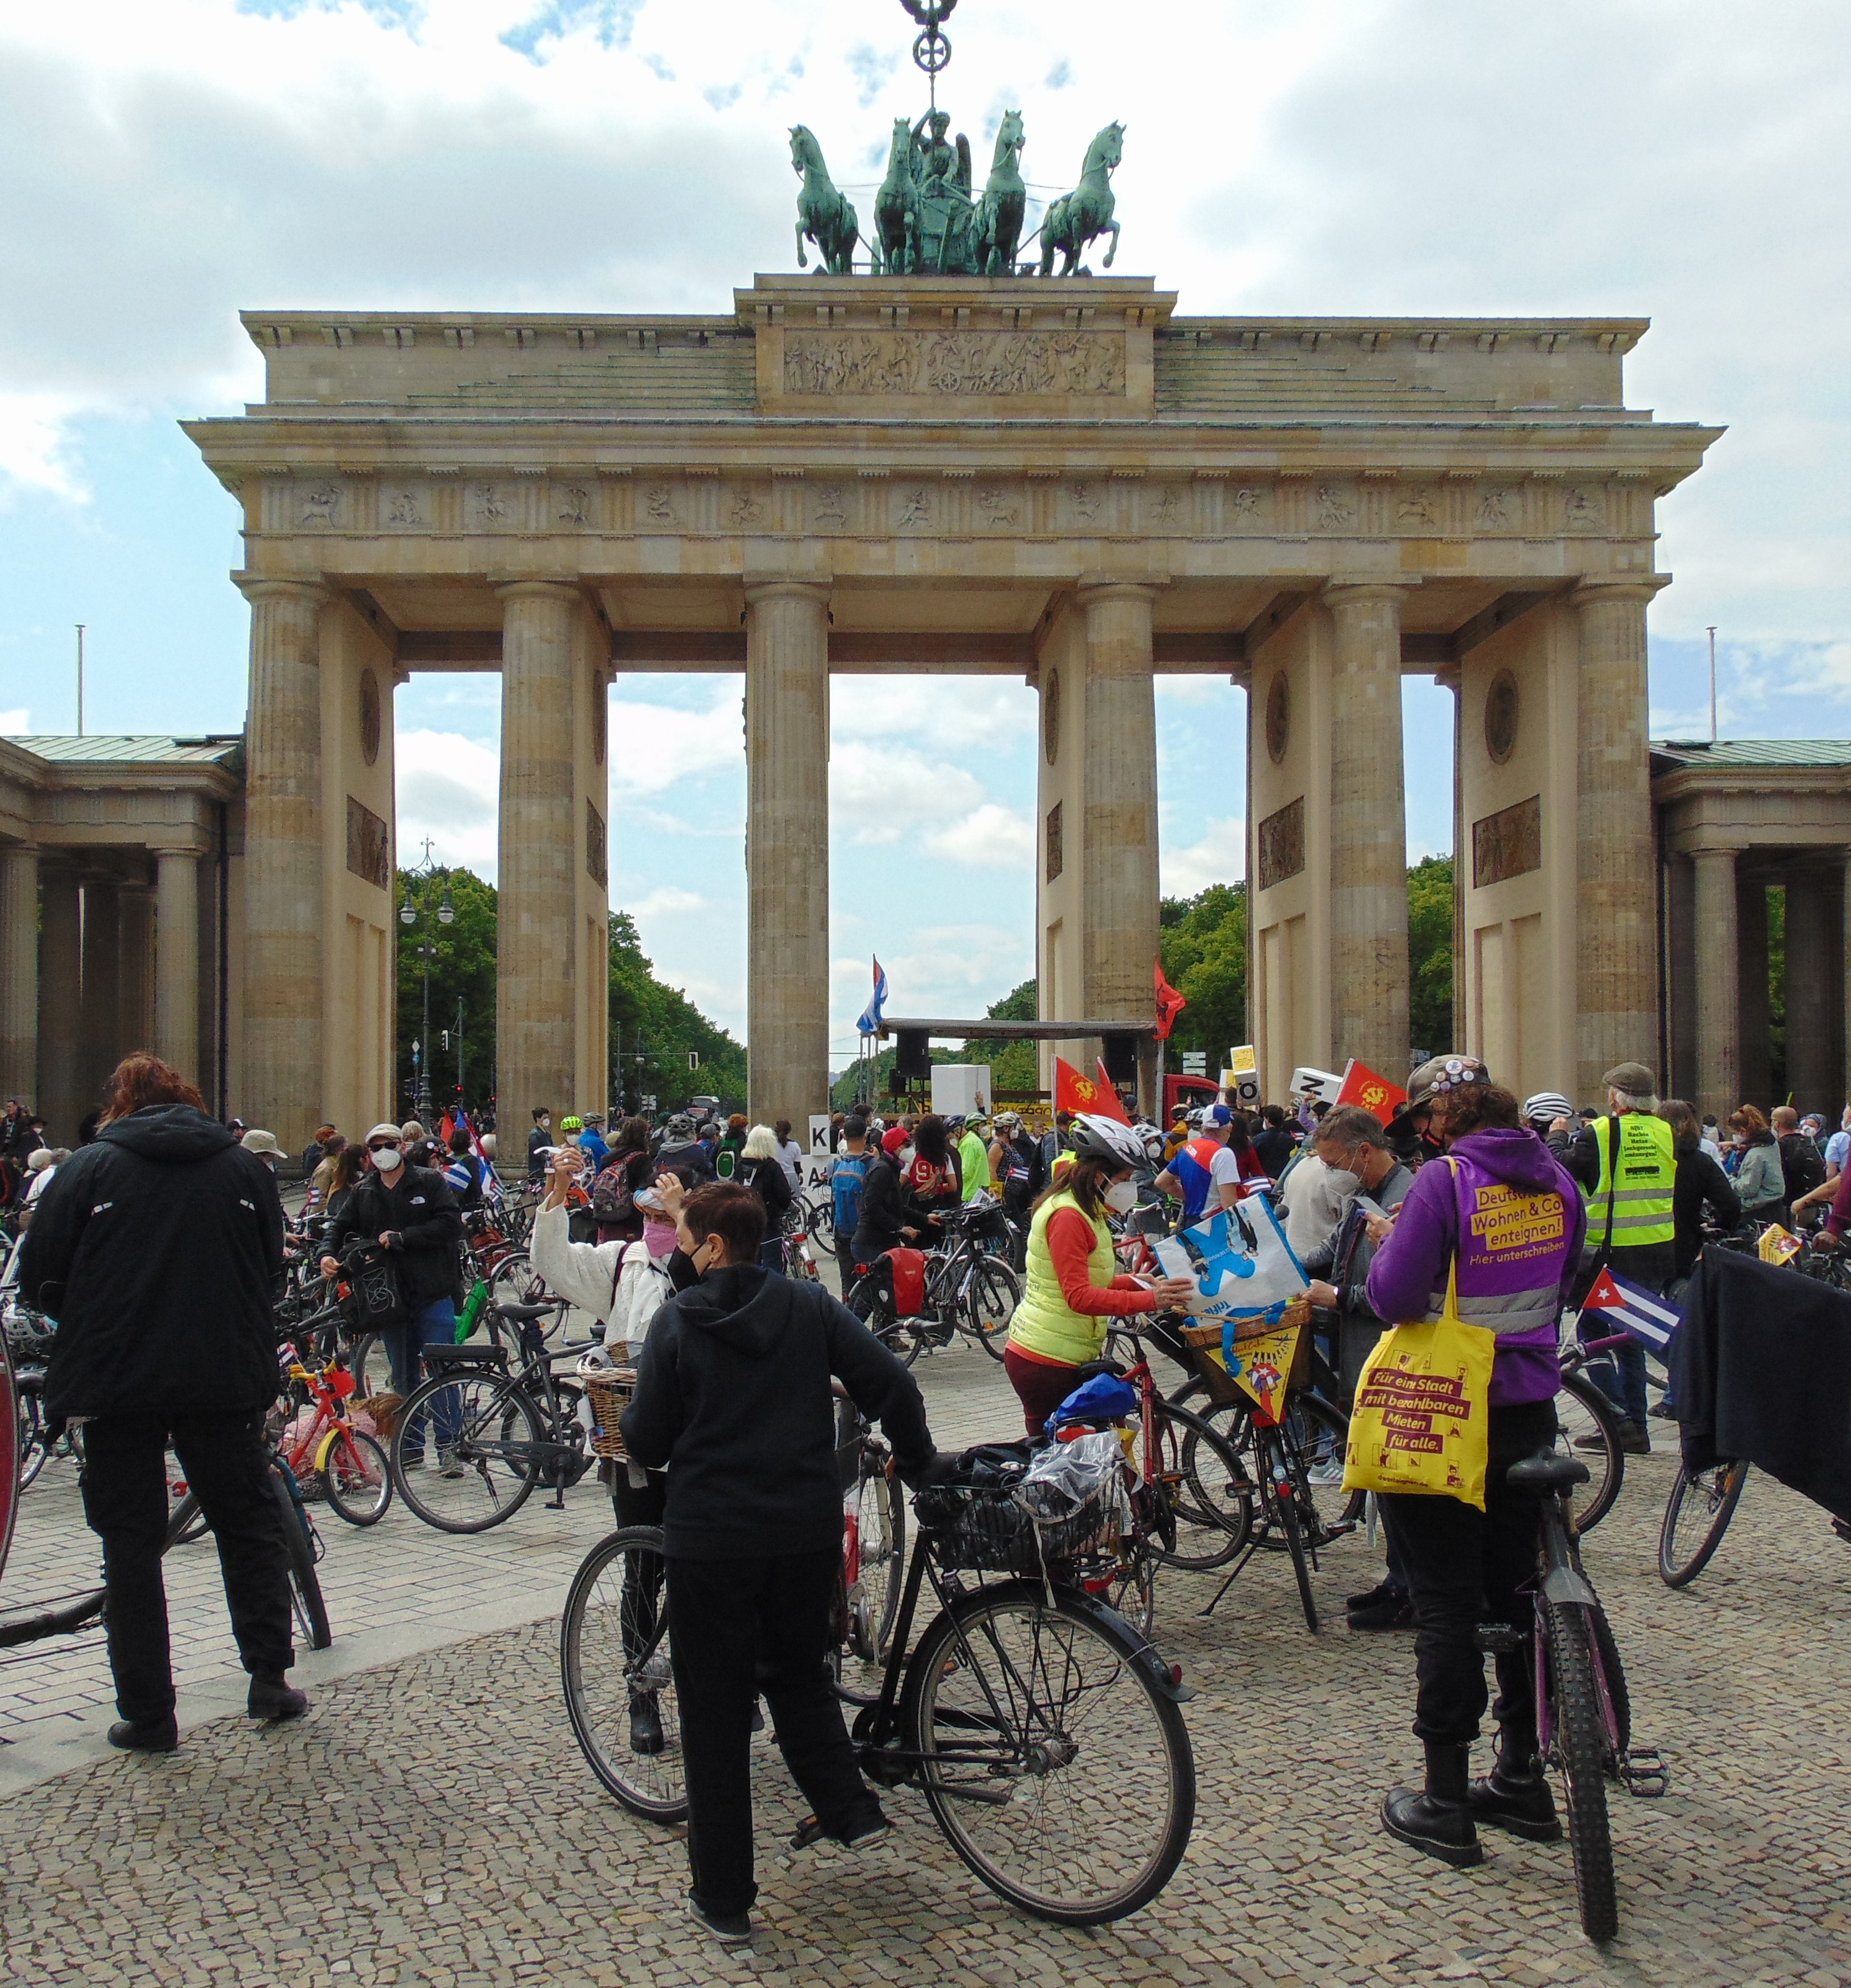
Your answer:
<point x="409" y="913"/>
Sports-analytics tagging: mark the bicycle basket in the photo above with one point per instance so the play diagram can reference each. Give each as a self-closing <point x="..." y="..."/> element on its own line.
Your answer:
<point x="988" y="1529"/>
<point x="1205" y="1342"/>
<point x="609" y="1390"/>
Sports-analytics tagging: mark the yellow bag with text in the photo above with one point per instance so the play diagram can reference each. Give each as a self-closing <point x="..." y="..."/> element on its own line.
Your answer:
<point x="1419" y="1424"/>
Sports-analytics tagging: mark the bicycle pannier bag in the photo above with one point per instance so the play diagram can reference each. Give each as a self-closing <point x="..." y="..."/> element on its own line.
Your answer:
<point x="1420" y="1421"/>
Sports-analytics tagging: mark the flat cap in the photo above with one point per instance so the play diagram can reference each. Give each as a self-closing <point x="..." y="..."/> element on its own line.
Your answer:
<point x="1632" y="1077"/>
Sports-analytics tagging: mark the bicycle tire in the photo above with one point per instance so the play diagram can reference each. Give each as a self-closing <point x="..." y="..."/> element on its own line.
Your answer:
<point x="486" y="1402"/>
<point x="1113" y="1733"/>
<point x="1592" y="1414"/>
<point x="1289" y="1527"/>
<point x="1709" y="1498"/>
<point x="820" y="1222"/>
<point x="306" y="1602"/>
<point x="891" y="1548"/>
<point x="1207" y="1487"/>
<point x="35" y="1451"/>
<point x="1580" y="1751"/>
<point x="370" y="1365"/>
<point x="357" y="1481"/>
<point x="992" y="1291"/>
<point x="595" y="1673"/>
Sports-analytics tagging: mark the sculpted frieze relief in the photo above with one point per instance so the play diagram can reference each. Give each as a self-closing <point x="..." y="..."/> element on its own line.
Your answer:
<point x="977" y="364"/>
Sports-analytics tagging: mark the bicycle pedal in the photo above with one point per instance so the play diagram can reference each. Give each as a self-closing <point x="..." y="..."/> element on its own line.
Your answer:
<point x="1641" y="1772"/>
<point x="1497" y="1639"/>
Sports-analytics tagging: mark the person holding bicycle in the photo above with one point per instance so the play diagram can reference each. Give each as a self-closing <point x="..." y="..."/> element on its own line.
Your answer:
<point x="1073" y="1289"/>
<point x="1504" y="1210"/>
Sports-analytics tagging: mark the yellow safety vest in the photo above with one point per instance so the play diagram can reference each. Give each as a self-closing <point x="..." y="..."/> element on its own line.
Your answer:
<point x="1648" y="1172"/>
<point x="1045" y="1323"/>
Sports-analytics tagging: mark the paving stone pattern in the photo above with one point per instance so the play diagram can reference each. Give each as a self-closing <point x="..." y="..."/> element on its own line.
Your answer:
<point x="431" y="1821"/>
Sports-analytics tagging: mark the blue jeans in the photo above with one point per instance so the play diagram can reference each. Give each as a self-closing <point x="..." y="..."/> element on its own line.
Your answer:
<point x="1623" y="1382"/>
<point x="404" y="1344"/>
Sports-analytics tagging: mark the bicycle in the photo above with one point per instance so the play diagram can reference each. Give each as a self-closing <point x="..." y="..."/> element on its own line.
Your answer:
<point x="1583" y="1715"/>
<point x="969" y="1284"/>
<point x="874" y="1551"/>
<point x="1045" y="1733"/>
<point x="1696" y="1515"/>
<point x="350" y="1467"/>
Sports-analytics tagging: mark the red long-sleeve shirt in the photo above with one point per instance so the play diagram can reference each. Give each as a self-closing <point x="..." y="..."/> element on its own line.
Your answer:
<point x="1071" y="1240"/>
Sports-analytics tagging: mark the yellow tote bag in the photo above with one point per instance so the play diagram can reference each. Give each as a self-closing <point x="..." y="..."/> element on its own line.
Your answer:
<point x="1419" y="1423"/>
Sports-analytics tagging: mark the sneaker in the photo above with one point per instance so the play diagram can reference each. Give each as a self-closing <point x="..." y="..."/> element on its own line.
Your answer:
<point x="158" y="1736"/>
<point x="1595" y="1438"/>
<point x="1663" y="1411"/>
<point x="1325" y="1474"/>
<point x="1635" y="1438"/>
<point x="448" y="1464"/>
<point x="728" y="1929"/>
<point x="413" y="1460"/>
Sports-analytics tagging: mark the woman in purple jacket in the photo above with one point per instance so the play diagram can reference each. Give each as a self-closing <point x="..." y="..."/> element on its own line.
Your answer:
<point x="1501" y="1205"/>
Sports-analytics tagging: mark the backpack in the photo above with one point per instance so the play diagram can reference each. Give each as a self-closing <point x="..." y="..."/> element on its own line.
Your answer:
<point x="846" y="1179"/>
<point x="611" y="1200"/>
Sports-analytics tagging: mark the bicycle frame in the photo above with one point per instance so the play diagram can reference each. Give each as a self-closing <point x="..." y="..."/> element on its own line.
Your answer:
<point x="332" y="1420"/>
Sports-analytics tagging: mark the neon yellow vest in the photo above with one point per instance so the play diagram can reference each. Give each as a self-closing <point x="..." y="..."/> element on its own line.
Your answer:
<point x="973" y="1157"/>
<point x="1045" y="1323"/>
<point x="1648" y="1172"/>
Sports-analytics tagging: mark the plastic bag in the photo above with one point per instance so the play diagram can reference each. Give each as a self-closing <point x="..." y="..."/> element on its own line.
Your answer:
<point x="1075" y="1491"/>
<point x="1105" y="1398"/>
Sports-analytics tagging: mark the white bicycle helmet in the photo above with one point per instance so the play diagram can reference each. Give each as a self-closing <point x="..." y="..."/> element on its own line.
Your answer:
<point x="1091" y="1137"/>
<point x="1545" y="1107"/>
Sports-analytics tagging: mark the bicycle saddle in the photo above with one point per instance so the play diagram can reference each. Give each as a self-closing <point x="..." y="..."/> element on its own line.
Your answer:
<point x="1093" y="1369"/>
<point x="1546" y="1471"/>
<point x="522" y="1314"/>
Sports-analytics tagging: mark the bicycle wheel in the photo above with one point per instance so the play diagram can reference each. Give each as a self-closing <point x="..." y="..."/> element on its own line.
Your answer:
<point x="881" y="1527"/>
<point x="613" y="1661"/>
<point x="1316" y="1434"/>
<point x="820" y="1222"/>
<point x="516" y="1281"/>
<point x="1055" y="1767"/>
<point x="479" y="1459"/>
<point x="33" y="1449"/>
<point x="1696" y="1515"/>
<point x="1133" y="1588"/>
<point x="988" y="1299"/>
<point x="370" y="1366"/>
<point x="310" y="1611"/>
<point x="1579" y="1749"/>
<point x="1209" y="1491"/>
<point x="1582" y="1413"/>
<point x="357" y="1480"/>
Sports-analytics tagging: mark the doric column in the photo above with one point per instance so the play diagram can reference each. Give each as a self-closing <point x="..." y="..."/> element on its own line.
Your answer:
<point x="1810" y="1077"/>
<point x="101" y="998"/>
<point x="1450" y="678"/>
<point x="535" y="981"/>
<point x="1368" y="831"/>
<point x="787" y="849"/>
<point x="282" y="864"/>
<point x="1718" y="986"/>
<point x="60" y="995"/>
<point x="1120" y="895"/>
<point x="177" y="960"/>
<point x="1615" y="931"/>
<point x="135" y="1008"/>
<point x="19" y="972"/>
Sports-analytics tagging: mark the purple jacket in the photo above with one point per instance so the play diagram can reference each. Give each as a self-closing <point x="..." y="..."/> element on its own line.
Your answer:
<point x="1521" y="1256"/>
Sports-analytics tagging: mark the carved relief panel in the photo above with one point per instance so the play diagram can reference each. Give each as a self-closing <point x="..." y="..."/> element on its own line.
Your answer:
<point x="963" y="365"/>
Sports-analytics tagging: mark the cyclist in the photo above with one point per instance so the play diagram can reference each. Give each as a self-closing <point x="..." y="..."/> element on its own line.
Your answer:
<point x="973" y="1157"/>
<point x="1073" y="1289"/>
<point x="1205" y="1175"/>
<point x="1016" y="1160"/>
<point x="466" y="1176"/>
<point x="1464" y="1565"/>
<point x="847" y="1173"/>
<point x="734" y="1399"/>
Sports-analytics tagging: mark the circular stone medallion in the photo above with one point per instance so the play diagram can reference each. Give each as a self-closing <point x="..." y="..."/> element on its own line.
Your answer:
<point x="1051" y="715"/>
<point x="1500" y="713"/>
<point x="369" y="716"/>
<point x="1278" y="718"/>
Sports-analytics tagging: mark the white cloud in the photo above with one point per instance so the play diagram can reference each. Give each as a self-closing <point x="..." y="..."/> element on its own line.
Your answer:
<point x="1220" y="857"/>
<point x="656" y="747"/>
<point x="666" y="901"/>
<point x="954" y="970"/>
<point x="975" y="714"/>
<point x="34" y="445"/>
<point x="448" y="790"/>
<point x="879" y="794"/>
<point x="13" y="723"/>
<point x="990" y="837"/>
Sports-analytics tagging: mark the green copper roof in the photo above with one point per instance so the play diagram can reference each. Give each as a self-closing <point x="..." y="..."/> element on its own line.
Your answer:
<point x="1754" y="752"/>
<point x="109" y="748"/>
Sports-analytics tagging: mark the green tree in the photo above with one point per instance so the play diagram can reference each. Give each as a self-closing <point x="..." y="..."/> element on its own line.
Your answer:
<point x="1430" y="956"/>
<point x="462" y="969"/>
<point x="653" y="1030"/>
<point x="1202" y="941"/>
<point x="1014" y="1067"/>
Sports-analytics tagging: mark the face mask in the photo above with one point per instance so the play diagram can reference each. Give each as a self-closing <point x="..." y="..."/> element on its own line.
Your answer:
<point x="388" y="1158"/>
<point x="1345" y="1181"/>
<point x="1122" y="1197"/>
<point x="906" y="1155"/>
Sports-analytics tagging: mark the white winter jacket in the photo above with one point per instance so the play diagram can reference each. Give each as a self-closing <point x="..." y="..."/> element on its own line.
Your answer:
<point x="615" y="1282"/>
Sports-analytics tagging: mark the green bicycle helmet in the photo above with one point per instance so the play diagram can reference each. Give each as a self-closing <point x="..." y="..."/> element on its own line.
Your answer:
<point x="572" y="1123"/>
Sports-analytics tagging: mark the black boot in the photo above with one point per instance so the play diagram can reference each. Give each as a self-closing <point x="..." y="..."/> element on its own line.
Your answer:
<point x="645" y="1724"/>
<point x="153" y="1735"/>
<point x="1438" y="1819"/>
<point x="273" y="1697"/>
<point x="1515" y="1794"/>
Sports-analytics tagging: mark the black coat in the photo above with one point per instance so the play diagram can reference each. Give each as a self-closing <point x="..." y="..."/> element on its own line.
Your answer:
<point x="768" y="1180"/>
<point x="1699" y="1180"/>
<point x="158" y="1248"/>
<point x="422" y="1213"/>
<point x="733" y="1395"/>
<point x="883" y="1213"/>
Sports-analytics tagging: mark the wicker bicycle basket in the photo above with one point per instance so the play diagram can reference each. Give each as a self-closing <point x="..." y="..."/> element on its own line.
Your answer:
<point x="384" y="1409"/>
<point x="1204" y="1345"/>
<point x="609" y="1390"/>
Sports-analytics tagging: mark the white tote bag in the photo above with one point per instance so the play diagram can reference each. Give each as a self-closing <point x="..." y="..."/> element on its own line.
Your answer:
<point x="1239" y="1262"/>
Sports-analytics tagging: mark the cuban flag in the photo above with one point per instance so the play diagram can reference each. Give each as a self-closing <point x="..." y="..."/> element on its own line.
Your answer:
<point x="877" y="1003"/>
<point x="1649" y="1320"/>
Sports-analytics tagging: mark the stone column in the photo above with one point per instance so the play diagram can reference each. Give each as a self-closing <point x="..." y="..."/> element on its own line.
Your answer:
<point x="60" y="994"/>
<point x="102" y="996"/>
<point x="1718" y="986"/>
<point x="1369" y="832"/>
<point x="1752" y="991"/>
<point x="1451" y="678"/>
<point x="535" y="981"/>
<point x="19" y="973"/>
<point x="1120" y="889"/>
<point x="282" y="864"/>
<point x="177" y="960"/>
<point x="135" y="1010"/>
<point x="1616" y="929"/>
<point x="1810" y="1077"/>
<point x="787" y="849"/>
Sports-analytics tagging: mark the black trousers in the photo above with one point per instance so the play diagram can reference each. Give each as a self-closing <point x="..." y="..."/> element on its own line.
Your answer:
<point x="125" y="1499"/>
<point x="1465" y="1567"/>
<point x="739" y="1628"/>
<point x="639" y="1505"/>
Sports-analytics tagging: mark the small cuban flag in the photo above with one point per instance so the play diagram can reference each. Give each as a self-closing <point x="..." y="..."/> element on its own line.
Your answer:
<point x="1649" y="1320"/>
<point x="871" y="1015"/>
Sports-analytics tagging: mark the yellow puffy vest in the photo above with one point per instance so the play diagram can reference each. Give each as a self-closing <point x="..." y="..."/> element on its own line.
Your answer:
<point x="1045" y="1323"/>
<point x="1648" y="1173"/>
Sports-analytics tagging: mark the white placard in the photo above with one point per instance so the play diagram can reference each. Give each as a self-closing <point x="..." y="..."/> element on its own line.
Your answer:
<point x="819" y="1144"/>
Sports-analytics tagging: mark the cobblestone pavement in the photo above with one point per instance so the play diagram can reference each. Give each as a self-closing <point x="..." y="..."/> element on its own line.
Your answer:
<point x="431" y="1821"/>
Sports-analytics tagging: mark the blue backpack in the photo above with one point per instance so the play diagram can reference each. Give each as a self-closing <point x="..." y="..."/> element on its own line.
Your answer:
<point x="845" y="1179"/>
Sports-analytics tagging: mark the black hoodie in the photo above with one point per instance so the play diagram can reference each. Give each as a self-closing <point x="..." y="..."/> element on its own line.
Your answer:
<point x="733" y="1395"/>
<point x="156" y="1249"/>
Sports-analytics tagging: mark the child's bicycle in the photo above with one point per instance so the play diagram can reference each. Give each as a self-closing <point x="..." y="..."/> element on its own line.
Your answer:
<point x="349" y="1466"/>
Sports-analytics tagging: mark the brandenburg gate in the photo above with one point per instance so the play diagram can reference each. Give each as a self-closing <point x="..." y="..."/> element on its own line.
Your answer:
<point x="1060" y="479"/>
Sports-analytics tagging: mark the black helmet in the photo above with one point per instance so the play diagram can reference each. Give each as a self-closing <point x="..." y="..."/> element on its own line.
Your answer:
<point x="1439" y="1074"/>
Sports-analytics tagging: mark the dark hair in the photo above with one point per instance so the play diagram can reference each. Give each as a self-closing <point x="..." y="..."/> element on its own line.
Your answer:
<point x="633" y="1136"/>
<point x="336" y="1142"/>
<point x="782" y="1128"/>
<point x="1681" y="1117"/>
<point x="349" y="1165"/>
<point x="929" y="1141"/>
<point x="1086" y="1180"/>
<point x="1239" y="1136"/>
<point x="1478" y="1107"/>
<point x="734" y="1214"/>
<point x="142" y="1079"/>
<point x="1273" y="1115"/>
<point x="855" y="1127"/>
<point x="458" y="1141"/>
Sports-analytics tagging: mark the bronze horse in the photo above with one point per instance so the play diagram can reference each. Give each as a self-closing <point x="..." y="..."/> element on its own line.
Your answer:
<point x="1083" y="215"/>
<point x="999" y="211"/>
<point x="822" y="214"/>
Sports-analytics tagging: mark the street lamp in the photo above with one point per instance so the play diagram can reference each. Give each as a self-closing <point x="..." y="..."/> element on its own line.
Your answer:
<point x="408" y="914"/>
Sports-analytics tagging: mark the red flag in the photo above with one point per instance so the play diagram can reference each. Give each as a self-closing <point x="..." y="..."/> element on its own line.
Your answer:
<point x="1112" y="1105"/>
<point x="1170" y="1004"/>
<point x="1605" y="1294"/>
<point x="1076" y="1093"/>
<point x="1362" y="1086"/>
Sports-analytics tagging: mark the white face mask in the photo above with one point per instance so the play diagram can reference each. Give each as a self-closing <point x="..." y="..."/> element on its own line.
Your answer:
<point x="388" y="1159"/>
<point x="1122" y="1197"/>
<point x="906" y="1157"/>
<point x="1345" y="1181"/>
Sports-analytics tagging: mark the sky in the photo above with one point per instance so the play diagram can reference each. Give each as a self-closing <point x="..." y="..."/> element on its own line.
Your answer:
<point x="163" y="163"/>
